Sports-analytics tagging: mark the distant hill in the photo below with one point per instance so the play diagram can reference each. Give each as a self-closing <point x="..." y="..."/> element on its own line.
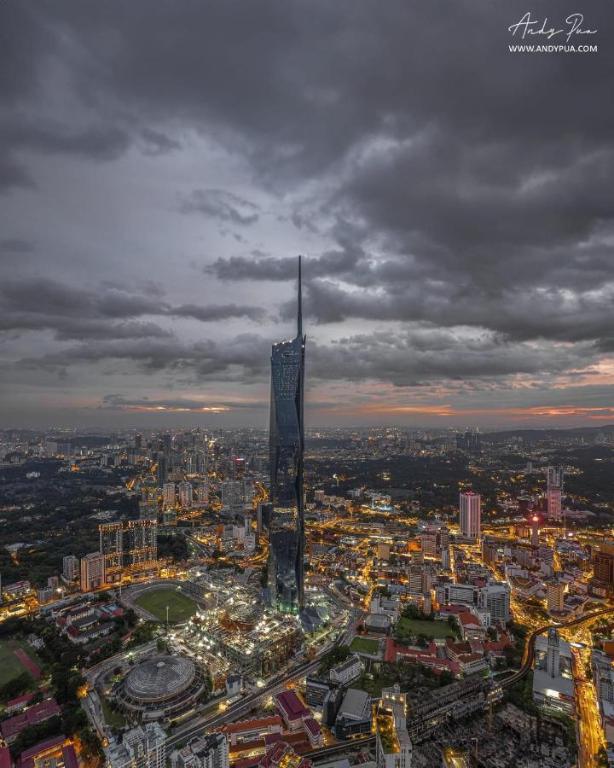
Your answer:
<point x="532" y="435"/>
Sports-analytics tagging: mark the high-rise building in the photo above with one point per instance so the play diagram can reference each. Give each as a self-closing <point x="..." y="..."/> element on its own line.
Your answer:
<point x="162" y="469"/>
<point x="470" y="514"/>
<point x="286" y="446"/>
<point x="140" y="543"/>
<point x="554" y="492"/>
<point x="603" y="567"/>
<point x="70" y="568"/>
<point x="555" y="595"/>
<point x="142" y="747"/>
<point x="111" y="547"/>
<point x="169" y="494"/>
<point x="495" y="598"/>
<point x="202" y="493"/>
<point x="128" y="545"/>
<point x="186" y="495"/>
<point x="233" y="496"/>
<point x="209" y="751"/>
<point x="393" y="747"/>
<point x="92" y="571"/>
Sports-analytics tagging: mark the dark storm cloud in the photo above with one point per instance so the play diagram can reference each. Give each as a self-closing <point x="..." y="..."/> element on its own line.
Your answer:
<point x="73" y="313"/>
<point x="421" y="356"/>
<point x="258" y="266"/>
<point x="426" y="355"/>
<point x="220" y="205"/>
<point x="530" y="313"/>
<point x="458" y="186"/>
<point x="212" y="312"/>
<point x="245" y="358"/>
<point x="158" y="143"/>
<point x="16" y="245"/>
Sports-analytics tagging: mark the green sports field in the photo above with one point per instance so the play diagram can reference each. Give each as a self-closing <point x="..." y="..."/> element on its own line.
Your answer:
<point x="364" y="645"/>
<point x="434" y="629"/>
<point x="180" y="607"/>
<point x="10" y="667"/>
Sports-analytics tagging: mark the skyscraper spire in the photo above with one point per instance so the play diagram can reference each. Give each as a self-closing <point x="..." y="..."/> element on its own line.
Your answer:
<point x="300" y="301"/>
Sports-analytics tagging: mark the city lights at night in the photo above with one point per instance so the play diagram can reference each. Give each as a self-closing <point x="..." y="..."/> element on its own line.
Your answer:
<point x="307" y="384"/>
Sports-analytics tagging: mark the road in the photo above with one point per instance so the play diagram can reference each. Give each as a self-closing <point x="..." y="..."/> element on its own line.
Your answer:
<point x="529" y="647"/>
<point x="235" y="711"/>
<point x="590" y="735"/>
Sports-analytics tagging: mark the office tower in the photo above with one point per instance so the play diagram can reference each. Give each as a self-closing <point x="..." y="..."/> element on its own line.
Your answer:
<point x="169" y="494"/>
<point x="138" y="442"/>
<point x="470" y="513"/>
<point x="70" y="568"/>
<point x="141" y="747"/>
<point x="554" y="480"/>
<point x="92" y="571"/>
<point x="167" y="443"/>
<point x="162" y="469"/>
<point x="233" y="496"/>
<point x="555" y="595"/>
<point x="603" y="566"/>
<point x="286" y="446"/>
<point x="535" y="531"/>
<point x="186" y="495"/>
<point x="495" y="598"/>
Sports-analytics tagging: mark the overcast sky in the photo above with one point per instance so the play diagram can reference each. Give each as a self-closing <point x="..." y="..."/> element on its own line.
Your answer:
<point x="162" y="163"/>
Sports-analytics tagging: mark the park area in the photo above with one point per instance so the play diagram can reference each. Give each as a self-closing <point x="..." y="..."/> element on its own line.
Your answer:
<point x="155" y="601"/>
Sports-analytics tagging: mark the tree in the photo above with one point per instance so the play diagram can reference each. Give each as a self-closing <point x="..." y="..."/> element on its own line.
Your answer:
<point x="15" y="687"/>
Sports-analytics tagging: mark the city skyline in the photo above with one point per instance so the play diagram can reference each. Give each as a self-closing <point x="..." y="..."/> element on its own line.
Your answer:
<point x="458" y="255"/>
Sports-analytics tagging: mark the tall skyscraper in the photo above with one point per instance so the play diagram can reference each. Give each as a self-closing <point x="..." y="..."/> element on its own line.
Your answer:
<point x="92" y="571"/>
<point x="470" y="514"/>
<point x="286" y="580"/>
<point x="554" y="493"/>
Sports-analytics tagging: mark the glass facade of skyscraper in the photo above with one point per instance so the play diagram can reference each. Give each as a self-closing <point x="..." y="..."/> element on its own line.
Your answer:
<point x="286" y="440"/>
